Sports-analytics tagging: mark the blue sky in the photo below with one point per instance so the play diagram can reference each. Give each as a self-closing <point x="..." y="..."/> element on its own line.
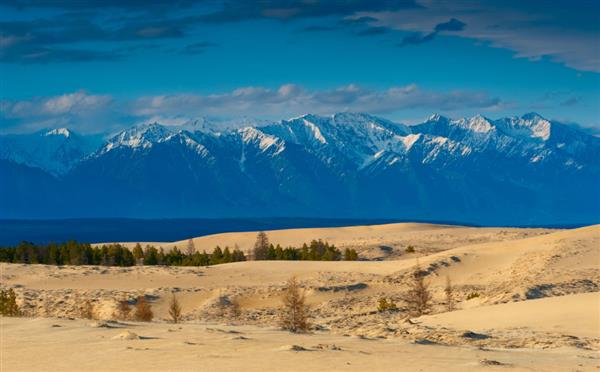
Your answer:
<point x="97" y="66"/>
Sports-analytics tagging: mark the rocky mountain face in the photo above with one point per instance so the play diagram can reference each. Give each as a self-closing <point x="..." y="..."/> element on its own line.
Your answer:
<point x="513" y="171"/>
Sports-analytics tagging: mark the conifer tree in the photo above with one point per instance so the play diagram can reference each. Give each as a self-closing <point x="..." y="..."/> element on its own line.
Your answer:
<point x="150" y="256"/>
<point x="237" y="255"/>
<point x="350" y="255"/>
<point x="174" y="309"/>
<point x="138" y="254"/>
<point x="191" y="248"/>
<point x="217" y="256"/>
<point x="418" y="297"/>
<point x="294" y="315"/>
<point x="227" y="255"/>
<point x="261" y="246"/>
<point x="449" y="291"/>
<point x="143" y="310"/>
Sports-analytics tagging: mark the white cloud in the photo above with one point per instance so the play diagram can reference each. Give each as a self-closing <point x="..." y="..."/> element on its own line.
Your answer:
<point x="98" y="113"/>
<point x="72" y="103"/>
<point x="78" y="110"/>
<point x="291" y="100"/>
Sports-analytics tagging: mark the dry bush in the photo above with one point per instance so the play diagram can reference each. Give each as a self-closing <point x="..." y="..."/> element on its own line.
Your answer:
<point x="87" y="310"/>
<point x="418" y="297"/>
<point x="294" y="315"/>
<point x="235" y="310"/>
<point x="449" y="291"/>
<point x="174" y="309"/>
<point x="385" y="305"/>
<point x="123" y="310"/>
<point x="143" y="310"/>
<point x="8" y="303"/>
<point x="222" y="305"/>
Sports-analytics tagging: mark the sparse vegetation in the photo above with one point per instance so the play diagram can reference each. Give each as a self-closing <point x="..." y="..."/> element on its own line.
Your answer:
<point x="350" y="254"/>
<point x="449" y="292"/>
<point x="143" y="310"/>
<point x="235" y="310"/>
<point x="294" y="315"/>
<point x="385" y="305"/>
<point x="410" y="249"/>
<point x="123" y="310"/>
<point x="8" y="303"/>
<point x="191" y="248"/>
<point x="472" y="295"/>
<point x="87" y="310"/>
<point x="174" y="309"/>
<point x="418" y="297"/>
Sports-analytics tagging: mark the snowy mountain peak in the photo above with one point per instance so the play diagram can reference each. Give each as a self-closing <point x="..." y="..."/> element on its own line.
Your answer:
<point x="437" y="118"/>
<point x="477" y="124"/>
<point x="251" y="135"/>
<point x="59" y="132"/>
<point x="532" y="126"/>
<point x="540" y="127"/>
<point x="141" y="136"/>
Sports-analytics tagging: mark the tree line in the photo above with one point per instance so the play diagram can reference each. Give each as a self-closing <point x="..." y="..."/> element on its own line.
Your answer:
<point x="317" y="250"/>
<point x="77" y="253"/>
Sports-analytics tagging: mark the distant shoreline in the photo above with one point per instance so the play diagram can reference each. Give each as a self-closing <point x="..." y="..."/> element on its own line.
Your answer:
<point x="98" y="230"/>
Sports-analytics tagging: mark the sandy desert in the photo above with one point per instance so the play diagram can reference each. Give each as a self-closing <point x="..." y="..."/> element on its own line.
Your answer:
<point x="526" y="299"/>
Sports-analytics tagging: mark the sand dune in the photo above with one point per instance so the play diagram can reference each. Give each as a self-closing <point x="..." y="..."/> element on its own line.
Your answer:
<point x="72" y="345"/>
<point x="368" y="240"/>
<point x="529" y="295"/>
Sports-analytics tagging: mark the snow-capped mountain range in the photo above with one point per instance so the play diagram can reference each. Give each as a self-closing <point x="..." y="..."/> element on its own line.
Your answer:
<point x="517" y="170"/>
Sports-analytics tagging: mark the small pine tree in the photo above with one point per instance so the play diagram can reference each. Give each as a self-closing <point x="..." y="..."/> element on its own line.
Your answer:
<point x="191" y="248"/>
<point x="350" y="255"/>
<point x="261" y="247"/>
<point x="227" y="257"/>
<point x="418" y="296"/>
<point x="174" y="309"/>
<point x="143" y="310"/>
<point x="138" y="254"/>
<point x="295" y="312"/>
<point x="449" y="291"/>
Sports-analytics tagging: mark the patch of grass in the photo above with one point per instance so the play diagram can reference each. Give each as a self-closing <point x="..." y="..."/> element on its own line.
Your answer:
<point x="385" y="305"/>
<point x="472" y="295"/>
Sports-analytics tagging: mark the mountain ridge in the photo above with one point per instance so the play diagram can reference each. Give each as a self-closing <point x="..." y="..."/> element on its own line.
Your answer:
<point x="476" y="169"/>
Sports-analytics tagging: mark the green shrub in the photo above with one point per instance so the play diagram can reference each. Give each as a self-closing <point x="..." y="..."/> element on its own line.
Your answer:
<point x="8" y="303"/>
<point x="385" y="305"/>
<point x="472" y="295"/>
